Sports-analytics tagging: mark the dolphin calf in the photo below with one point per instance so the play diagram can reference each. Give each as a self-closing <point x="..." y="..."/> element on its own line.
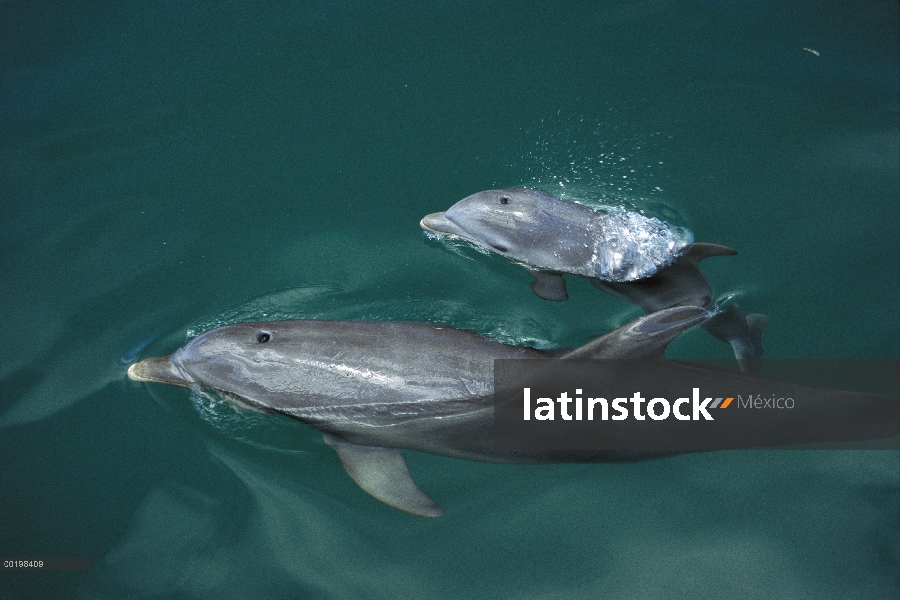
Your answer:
<point x="637" y="258"/>
<point x="550" y="235"/>
<point x="374" y="388"/>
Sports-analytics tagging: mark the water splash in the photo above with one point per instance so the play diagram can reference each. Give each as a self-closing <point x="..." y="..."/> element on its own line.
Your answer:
<point x="603" y="162"/>
<point x="606" y="154"/>
<point x="631" y="246"/>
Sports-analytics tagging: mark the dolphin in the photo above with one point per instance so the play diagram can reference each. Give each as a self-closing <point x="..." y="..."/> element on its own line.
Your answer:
<point x="373" y="388"/>
<point x="637" y="258"/>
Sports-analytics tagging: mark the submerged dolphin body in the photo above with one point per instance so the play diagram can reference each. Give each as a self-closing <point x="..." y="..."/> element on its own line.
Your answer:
<point x="373" y="388"/>
<point x="637" y="258"/>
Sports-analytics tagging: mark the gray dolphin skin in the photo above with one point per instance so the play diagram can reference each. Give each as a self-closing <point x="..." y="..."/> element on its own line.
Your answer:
<point x="552" y="235"/>
<point x="630" y="256"/>
<point x="375" y="387"/>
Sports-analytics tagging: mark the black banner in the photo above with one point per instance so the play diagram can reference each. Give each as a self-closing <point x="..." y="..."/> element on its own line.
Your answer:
<point x="585" y="407"/>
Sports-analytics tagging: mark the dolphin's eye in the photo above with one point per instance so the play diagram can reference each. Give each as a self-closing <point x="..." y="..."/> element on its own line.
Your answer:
<point x="262" y="337"/>
<point x="504" y="199"/>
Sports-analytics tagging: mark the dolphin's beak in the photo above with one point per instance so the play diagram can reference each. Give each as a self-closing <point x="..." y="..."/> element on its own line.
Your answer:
<point x="439" y="224"/>
<point x="158" y="370"/>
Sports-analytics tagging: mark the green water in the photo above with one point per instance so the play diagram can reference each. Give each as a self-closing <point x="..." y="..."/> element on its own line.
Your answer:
<point x="170" y="166"/>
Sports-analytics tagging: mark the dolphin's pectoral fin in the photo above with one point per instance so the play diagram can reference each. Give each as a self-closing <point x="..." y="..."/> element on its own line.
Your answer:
<point x="646" y="337"/>
<point x="549" y="286"/>
<point x="383" y="474"/>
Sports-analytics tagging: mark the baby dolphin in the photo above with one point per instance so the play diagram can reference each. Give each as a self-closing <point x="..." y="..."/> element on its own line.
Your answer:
<point x="547" y="234"/>
<point x="374" y="388"/>
<point x="637" y="258"/>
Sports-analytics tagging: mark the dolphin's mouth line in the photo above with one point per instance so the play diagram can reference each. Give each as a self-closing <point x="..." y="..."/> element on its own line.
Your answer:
<point x="179" y="367"/>
<point x="429" y="229"/>
<point x="441" y="225"/>
<point x="163" y="369"/>
<point x="135" y="374"/>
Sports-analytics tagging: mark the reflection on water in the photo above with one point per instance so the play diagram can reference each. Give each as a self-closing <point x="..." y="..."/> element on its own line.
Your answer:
<point x="739" y="523"/>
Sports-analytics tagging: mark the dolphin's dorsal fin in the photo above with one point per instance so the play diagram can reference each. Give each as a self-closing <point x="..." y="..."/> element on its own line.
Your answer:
<point x="383" y="474"/>
<point x="646" y="337"/>
<point x="697" y="251"/>
<point x="549" y="286"/>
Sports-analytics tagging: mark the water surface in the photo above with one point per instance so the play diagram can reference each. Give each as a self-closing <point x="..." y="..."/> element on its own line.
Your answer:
<point x="169" y="167"/>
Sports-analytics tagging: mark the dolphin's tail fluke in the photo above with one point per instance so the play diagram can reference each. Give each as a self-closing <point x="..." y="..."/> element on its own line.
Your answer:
<point x="756" y="323"/>
<point x="743" y="334"/>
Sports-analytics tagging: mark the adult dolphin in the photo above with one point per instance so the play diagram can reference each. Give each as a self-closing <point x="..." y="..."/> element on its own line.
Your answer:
<point x="637" y="258"/>
<point x="373" y="388"/>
